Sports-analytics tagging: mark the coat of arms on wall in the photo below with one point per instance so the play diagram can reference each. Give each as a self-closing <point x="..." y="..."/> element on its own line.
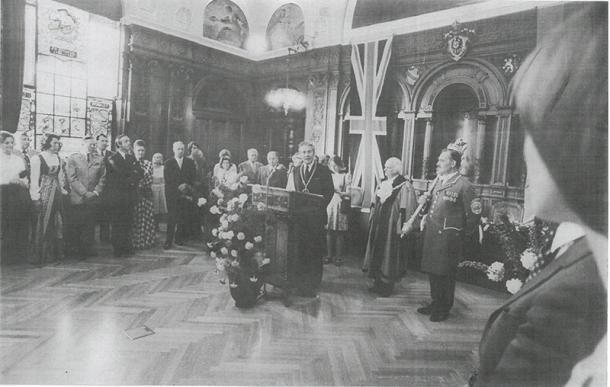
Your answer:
<point x="511" y="64"/>
<point x="458" y="41"/>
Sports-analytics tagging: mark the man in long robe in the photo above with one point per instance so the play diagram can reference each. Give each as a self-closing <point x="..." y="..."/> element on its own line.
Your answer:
<point x="395" y="202"/>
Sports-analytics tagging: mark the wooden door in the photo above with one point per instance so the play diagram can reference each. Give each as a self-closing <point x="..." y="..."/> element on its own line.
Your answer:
<point x="214" y="134"/>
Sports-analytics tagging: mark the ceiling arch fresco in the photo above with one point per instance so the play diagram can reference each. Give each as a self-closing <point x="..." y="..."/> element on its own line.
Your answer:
<point x="224" y="21"/>
<point x="286" y="27"/>
<point x="232" y="25"/>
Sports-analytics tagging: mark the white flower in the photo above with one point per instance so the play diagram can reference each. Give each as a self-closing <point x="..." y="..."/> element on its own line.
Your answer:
<point x="528" y="259"/>
<point x="234" y="253"/>
<point x="224" y="251"/>
<point x="218" y="193"/>
<point x="234" y="218"/>
<point x="243" y="179"/>
<point x="224" y="224"/>
<point x="241" y="236"/>
<point x="266" y="261"/>
<point x="214" y="210"/>
<point x="232" y="285"/>
<point x="495" y="271"/>
<point x="258" y="239"/>
<point x="212" y="254"/>
<point x="243" y="198"/>
<point x="210" y="245"/>
<point x="235" y="263"/>
<point x="260" y="206"/>
<point x="513" y="285"/>
<point x="249" y="246"/>
<point x="230" y="234"/>
<point x="220" y="201"/>
<point x="215" y="232"/>
<point x="253" y="278"/>
<point x="201" y="202"/>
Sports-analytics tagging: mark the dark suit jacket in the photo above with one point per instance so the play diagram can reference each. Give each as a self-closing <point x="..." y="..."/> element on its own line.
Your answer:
<point x="321" y="183"/>
<point x="277" y="177"/>
<point x="541" y="332"/>
<point x="253" y="173"/>
<point x="122" y="176"/>
<point x="449" y="220"/>
<point x="174" y="176"/>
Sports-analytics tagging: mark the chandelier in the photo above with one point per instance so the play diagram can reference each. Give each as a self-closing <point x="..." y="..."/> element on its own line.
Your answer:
<point x="288" y="98"/>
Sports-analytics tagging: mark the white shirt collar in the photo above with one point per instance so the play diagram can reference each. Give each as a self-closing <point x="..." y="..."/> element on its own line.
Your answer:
<point x="566" y="233"/>
<point x="123" y="154"/>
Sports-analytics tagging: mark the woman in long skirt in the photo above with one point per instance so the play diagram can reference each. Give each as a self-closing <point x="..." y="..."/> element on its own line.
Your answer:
<point x="47" y="192"/>
<point x="16" y="203"/>
<point x="143" y="225"/>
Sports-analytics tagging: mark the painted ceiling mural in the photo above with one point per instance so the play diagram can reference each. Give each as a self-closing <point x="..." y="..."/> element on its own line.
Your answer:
<point x="225" y="22"/>
<point x="286" y="27"/>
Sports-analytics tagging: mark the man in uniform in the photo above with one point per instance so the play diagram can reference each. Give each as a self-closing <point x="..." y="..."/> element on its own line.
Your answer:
<point x="448" y="221"/>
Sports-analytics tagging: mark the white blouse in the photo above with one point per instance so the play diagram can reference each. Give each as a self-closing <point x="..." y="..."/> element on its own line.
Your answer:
<point x="52" y="160"/>
<point x="10" y="168"/>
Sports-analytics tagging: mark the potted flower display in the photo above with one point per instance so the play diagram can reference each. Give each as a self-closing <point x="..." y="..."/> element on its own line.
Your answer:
<point x="237" y="247"/>
<point x="516" y="251"/>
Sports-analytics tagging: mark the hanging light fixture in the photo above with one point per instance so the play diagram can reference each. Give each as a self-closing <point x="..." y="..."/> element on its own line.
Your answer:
<point x="287" y="98"/>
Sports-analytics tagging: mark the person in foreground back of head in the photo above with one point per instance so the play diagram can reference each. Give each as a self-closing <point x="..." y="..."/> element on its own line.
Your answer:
<point x="558" y="318"/>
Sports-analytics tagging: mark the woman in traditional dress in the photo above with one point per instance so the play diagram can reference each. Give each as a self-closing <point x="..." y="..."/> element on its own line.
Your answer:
<point x="143" y="225"/>
<point x="16" y="203"/>
<point x="337" y="224"/>
<point x="158" y="189"/>
<point x="395" y="202"/>
<point x="47" y="192"/>
<point x="223" y="153"/>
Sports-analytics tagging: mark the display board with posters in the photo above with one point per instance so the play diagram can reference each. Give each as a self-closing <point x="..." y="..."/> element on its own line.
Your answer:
<point x="99" y="116"/>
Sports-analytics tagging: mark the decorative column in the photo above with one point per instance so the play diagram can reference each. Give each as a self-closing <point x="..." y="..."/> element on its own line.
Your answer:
<point x="480" y="143"/>
<point x="501" y="148"/>
<point x="408" y="141"/>
<point x="427" y="147"/>
<point x="315" y="120"/>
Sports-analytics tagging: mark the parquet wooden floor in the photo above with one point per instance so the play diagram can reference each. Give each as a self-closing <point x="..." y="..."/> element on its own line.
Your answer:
<point x="64" y="324"/>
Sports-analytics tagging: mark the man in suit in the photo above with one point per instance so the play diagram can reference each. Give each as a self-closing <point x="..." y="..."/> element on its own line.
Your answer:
<point x="122" y="176"/>
<point x="555" y="320"/>
<point x="179" y="173"/>
<point x="448" y="222"/>
<point x="86" y="175"/>
<point x="311" y="177"/>
<point x="252" y="167"/>
<point x="274" y="174"/>
<point x="103" y="209"/>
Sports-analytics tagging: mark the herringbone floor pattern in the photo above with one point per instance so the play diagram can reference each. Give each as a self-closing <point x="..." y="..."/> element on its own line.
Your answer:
<point x="64" y="324"/>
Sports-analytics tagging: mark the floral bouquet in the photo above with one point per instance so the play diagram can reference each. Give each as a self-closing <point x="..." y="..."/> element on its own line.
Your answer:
<point x="522" y="250"/>
<point x="237" y="247"/>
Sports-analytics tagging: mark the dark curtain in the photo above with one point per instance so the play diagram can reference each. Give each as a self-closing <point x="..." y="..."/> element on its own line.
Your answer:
<point x="13" y="42"/>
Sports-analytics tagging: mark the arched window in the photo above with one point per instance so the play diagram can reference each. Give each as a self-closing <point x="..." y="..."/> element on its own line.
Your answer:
<point x="286" y="27"/>
<point x="225" y="22"/>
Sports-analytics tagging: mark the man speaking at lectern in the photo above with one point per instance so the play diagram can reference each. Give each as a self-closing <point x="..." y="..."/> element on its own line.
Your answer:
<point x="313" y="178"/>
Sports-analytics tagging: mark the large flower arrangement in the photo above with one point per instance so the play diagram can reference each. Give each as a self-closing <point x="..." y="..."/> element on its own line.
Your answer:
<point x="237" y="245"/>
<point x="519" y="249"/>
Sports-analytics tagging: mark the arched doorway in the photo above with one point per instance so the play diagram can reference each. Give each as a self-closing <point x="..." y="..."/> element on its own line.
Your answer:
<point x="219" y="111"/>
<point x="468" y="100"/>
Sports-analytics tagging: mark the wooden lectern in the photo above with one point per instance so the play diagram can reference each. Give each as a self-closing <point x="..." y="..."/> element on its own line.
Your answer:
<point x="282" y="229"/>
